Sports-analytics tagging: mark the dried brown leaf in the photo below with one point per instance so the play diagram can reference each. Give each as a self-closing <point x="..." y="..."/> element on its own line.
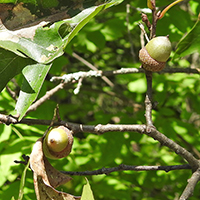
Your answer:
<point x="46" y="177"/>
<point x="41" y="166"/>
<point x="20" y="16"/>
<point x="46" y="192"/>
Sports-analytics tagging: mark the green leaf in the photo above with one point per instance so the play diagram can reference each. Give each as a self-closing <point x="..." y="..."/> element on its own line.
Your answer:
<point x="10" y="66"/>
<point x="34" y="76"/>
<point x="190" y="42"/>
<point x="87" y="193"/>
<point x="44" y="44"/>
<point x="83" y="18"/>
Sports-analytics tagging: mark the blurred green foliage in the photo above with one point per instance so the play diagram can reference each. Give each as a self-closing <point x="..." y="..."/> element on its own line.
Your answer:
<point x="105" y="42"/>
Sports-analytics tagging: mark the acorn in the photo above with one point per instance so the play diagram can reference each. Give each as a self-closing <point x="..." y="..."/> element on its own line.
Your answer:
<point x="155" y="54"/>
<point x="57" y="143"/>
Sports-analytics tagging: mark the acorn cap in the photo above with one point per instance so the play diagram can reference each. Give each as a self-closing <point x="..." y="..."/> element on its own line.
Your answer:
<point x="148" y="62"/>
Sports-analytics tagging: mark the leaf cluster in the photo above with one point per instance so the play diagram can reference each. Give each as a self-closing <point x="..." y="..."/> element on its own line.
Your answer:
<point x="109" y="41"/>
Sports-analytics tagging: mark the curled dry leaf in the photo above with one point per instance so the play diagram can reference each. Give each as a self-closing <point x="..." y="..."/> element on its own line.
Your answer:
<point x="41" y="166"/>
<point x="46" y="192"/>
<point x="46" y="177"/>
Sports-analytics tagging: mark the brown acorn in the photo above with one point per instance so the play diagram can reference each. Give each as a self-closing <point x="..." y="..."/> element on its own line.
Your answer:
<point x="155" y="54"/>
<point x="57" y="142"/>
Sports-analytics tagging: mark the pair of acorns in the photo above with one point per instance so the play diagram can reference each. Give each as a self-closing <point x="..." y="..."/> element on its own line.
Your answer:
<point x="58" y="141"/>
<point x="155" y="54"/>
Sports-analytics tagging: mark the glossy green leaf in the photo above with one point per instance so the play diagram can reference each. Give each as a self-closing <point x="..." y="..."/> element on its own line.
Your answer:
<point x="11" y="65"/>
<point x="30" y="41"/>
<point x="34" y="76"/>
<point x="176" y="113"/>
<point x="190" y="42"/>
<point x="33" y="45"/>
<point x="42" y="44"/>
<point x="84" y="17"/>
<point x="87" y="193"/>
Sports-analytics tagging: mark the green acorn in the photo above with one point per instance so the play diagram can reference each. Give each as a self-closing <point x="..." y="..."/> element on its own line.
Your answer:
<point x="57" y="142"/>
<point x="155" y="54"/>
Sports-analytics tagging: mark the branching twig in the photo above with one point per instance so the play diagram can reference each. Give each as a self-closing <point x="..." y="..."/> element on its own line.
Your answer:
<point x="154" y="20"/>
<point x="67" y="78"/>
<point x="152" y="132"/>
<point x="194" y="163"/>
<point x="100" y="129"/>
<point x="148" y="100"/>
<point x="123" y="167"/>
<point x="48" y="94"/>
<point x="80" y="75"/>
<point x="85" y="62"/>
<point x="99" y="73"/>
<point x="144" y="34"/>
<point x="188" y="192"/>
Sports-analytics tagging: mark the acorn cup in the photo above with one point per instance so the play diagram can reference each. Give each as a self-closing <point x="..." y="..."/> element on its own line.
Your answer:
<point x="155" y="54"/>
<point x="57" y="143"/>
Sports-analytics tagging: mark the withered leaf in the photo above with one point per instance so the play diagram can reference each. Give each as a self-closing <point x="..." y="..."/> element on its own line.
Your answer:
<point x="46" y="177"/>
<point x="41" y="166"/>
<point x="20" y="17"/>
<point x="46" y="192"/>
<point x="4" y="10"/>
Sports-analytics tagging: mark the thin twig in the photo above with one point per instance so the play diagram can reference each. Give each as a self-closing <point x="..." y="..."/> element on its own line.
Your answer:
<point x="25" y="162"/>
<point x="123" y="167"/>
<point x="188" y="192"/>
<point x="154" y="20"/>
<point x="190" y="146"/>
<point x="99" y="73"/>
<point x="129" y="32"/>
<point x="92" y="67"/>
<point x="100" y="129"/>
<point x="148" y="100"/>
<point x="179" y="150"/>
<point x="77" y="89"/>
<point x="146" y="21"/>
<point x="48" y="94"/>
<point x="144" y="33"/>
<point x="11" y="93"/>
<point x="76" y="76"/>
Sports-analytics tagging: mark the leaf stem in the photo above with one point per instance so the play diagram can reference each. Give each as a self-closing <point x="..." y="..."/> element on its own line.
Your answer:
<point x="167" y="8"/>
